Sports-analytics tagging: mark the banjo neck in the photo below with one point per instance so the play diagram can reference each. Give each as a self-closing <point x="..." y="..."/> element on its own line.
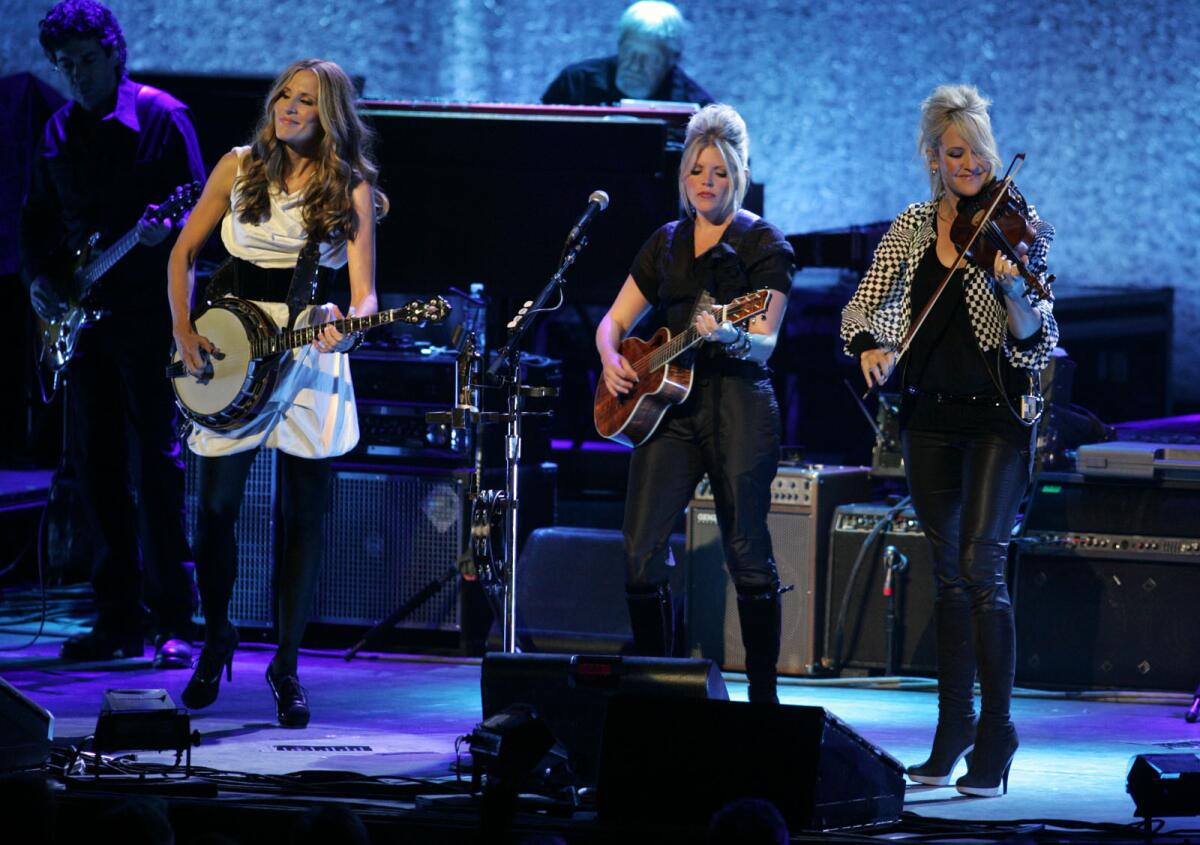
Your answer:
<point x="285" y="339"/>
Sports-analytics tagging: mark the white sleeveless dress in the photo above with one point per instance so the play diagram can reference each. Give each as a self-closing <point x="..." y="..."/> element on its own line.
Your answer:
<point x="311" y="413"/>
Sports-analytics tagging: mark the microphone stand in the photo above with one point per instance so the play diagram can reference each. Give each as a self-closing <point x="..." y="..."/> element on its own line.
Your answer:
<point x="510" y="356"/>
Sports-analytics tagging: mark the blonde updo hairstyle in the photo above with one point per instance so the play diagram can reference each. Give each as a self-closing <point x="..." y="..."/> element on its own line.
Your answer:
<point x="718" y="126"/>
<point x="963" y="107"/>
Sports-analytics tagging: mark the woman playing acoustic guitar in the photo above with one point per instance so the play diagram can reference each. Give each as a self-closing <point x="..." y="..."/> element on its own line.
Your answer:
<point x="728" y="425"/>
<point x="302" y="194"/>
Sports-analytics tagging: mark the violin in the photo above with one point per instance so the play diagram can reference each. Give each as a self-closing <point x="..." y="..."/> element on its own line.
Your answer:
<point x="1004" y="223"/>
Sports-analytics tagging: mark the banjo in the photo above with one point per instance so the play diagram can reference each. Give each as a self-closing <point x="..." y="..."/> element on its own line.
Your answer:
<point x="238" y="379"/>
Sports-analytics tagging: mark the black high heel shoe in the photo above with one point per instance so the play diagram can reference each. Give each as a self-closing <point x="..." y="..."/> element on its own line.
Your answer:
<point x="951" y="742"/>
<point x="990" y="762"/>
<point x="205" y="683"/>
<point x="291" y="700"/>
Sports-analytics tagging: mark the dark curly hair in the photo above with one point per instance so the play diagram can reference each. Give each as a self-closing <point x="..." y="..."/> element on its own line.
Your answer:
<point x="73" y="19"/>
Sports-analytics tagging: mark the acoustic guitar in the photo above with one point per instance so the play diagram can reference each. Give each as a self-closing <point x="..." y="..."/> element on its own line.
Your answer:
<point x="662" y="381"/>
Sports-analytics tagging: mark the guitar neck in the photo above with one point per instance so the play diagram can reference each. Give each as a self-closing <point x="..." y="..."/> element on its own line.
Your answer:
<point x="295" y="338"/>
<point x="105" y="261"/>
<point x="678" y="345"/>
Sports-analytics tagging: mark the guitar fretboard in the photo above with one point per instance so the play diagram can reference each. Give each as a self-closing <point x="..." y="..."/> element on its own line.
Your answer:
<point x="105" y="260"/>
<point x="736" y="312"/>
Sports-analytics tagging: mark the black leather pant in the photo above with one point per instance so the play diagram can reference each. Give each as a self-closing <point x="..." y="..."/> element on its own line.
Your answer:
<point x="728" y="427"/>
<point x="304" y="503"/>
<point x="966" y="491"/>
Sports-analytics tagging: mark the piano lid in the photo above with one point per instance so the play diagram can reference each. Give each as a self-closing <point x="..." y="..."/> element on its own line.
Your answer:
<point x="673" y="114"/>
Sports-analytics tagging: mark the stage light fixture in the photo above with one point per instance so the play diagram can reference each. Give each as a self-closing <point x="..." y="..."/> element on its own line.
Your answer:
<point x="508" y="744"/>
<point x="1164" y="785"/>
<point x="144" y="720"/>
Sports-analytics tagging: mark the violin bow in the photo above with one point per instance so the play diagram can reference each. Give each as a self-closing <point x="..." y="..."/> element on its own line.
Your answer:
<point x="906" y="342"/>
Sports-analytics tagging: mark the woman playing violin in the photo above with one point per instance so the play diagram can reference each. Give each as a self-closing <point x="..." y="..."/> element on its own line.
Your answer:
<point x="967" y="447"/>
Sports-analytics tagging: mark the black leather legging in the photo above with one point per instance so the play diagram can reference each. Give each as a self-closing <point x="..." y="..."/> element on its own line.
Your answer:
<point x="304" y="500"/>
<point x="729" y="428"/>
<point x="966" y="491"/>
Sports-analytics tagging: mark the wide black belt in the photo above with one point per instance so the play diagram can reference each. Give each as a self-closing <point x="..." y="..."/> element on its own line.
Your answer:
<point x="991" y="400"/>
<point x="240" y="278"/>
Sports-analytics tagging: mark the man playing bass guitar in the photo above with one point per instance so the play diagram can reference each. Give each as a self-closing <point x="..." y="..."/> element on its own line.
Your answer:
<point x="114" y="148"/>
<point x="728" y="425"/>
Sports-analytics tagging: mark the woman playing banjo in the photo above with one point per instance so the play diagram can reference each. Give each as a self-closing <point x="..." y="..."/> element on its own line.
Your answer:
<point x="294" y="206"/>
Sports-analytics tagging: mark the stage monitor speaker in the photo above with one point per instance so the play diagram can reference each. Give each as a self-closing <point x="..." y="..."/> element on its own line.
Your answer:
<point x="860" y="640"/>
<point x="572" y="692"/>
<point x="677" y="762"/>
<point x="387" y="535"/>
<point x="803" y="500"/>
<point x="1107" y="576"/>
<point x="252" y="604"/>
<point x="571" y="590"/>
<point x="26" y="731"/>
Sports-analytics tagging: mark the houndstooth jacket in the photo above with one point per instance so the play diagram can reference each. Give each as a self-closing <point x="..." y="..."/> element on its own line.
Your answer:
<point x="882" y="305"/>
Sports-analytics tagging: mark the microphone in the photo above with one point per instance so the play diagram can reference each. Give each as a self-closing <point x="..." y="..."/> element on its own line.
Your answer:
<point x="597" y="202"/>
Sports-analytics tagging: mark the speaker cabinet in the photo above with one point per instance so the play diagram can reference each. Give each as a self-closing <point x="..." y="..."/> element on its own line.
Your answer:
<point x="252" y="604"/>
<point x="1097" y="622"/>
<point x="26" y="731"/>
<point x="571" y="590"/>
<point x="1107" y="578"/>
<point x="572" y="692"/>
<point x="803" y="500"/>
<point x="675" y="763"/>
<point x="856" y="609"/>
<point x="387" y="535"/>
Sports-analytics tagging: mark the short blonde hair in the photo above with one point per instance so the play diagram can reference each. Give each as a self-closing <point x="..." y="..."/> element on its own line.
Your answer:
<point x="721" y="127"/>
<point x="963" y="107"/>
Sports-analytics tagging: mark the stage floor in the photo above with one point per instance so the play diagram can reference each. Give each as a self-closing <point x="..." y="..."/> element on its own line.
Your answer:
<point x="398" y="716"/>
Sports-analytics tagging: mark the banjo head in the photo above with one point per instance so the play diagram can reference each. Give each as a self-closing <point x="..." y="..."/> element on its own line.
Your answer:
<point x="225" y="327"/>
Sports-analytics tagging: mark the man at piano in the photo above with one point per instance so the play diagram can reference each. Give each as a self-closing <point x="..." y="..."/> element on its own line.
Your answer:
<point x="646" y="66"/>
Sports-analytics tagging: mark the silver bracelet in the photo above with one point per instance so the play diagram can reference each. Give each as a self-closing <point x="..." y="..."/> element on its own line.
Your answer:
<point x="739" y="348"/>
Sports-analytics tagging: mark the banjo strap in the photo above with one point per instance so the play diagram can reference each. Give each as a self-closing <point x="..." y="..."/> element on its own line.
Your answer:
<point x="306" y="281"/>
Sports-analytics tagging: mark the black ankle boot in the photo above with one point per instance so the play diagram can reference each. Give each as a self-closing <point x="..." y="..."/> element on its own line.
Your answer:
<point x="952" y="741"/>
<point x="760" y="615"/>
<point x="291" y="699"/>
<point x="205" y="683"/>
<point x="989" y="764"/>
<point x="652" y="618"/>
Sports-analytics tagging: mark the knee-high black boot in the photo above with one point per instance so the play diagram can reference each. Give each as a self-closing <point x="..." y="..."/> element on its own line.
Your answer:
<point x="652" y="618"/>
<point x="760" y="615"/>
<point x="955" y="734"/>
<point x="995" y="738"/>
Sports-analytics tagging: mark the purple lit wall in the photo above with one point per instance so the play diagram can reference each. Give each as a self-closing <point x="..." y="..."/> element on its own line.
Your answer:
<point x="1103" y="96"/>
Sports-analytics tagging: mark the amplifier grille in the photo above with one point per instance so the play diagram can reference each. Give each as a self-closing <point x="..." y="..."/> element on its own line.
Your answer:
<point x="388" y="535"/>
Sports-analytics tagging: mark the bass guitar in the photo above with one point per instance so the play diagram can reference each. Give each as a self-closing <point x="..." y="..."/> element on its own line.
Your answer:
<point x="61" y="334"/>
<point x="238" y="379"/>
<point x="662" y="382"/>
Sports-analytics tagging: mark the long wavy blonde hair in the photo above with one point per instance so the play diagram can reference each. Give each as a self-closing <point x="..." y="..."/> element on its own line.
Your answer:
<point x="343" y="161"/>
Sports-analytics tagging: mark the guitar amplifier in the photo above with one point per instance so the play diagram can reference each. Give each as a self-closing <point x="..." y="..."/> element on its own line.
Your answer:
<point x="1107" y="578"/>
<point x="803" y="499"/>
<point x="252" y="604"/>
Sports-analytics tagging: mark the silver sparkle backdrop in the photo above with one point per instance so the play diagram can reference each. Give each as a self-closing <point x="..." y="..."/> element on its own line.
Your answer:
<point x="1104" y="97"/>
